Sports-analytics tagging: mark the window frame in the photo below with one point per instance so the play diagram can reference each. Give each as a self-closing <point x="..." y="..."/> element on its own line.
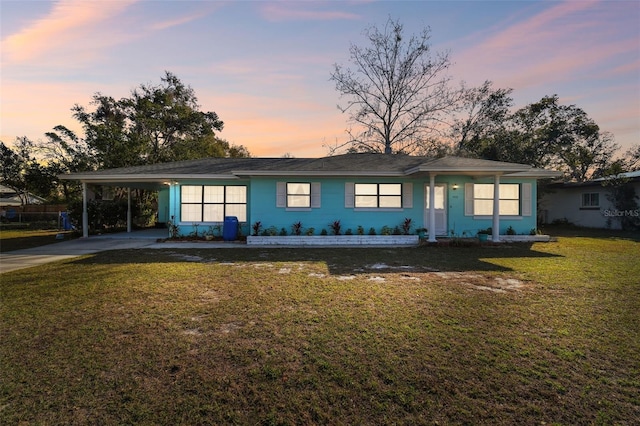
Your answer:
<point x="282" y="196"/>
<point x="378" y="195"/>
<point x="307" y="196"/>
<point x="225" y="203"/>
<point x="590" y="205"/>
<point x="519" y="199"/>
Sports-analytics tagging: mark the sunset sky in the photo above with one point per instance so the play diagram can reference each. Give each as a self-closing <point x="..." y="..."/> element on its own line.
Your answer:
<point x="264" y="66"/>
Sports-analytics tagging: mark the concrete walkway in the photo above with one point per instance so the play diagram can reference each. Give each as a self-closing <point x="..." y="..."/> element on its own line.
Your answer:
<point x="147" y="239"/>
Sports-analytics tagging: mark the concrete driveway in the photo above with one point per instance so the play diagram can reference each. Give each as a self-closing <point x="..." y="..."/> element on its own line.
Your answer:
<point x="19" y="259"/>
<point x="147" y="239"/>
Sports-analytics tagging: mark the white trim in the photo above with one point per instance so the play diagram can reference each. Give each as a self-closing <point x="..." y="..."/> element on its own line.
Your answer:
<point x="487" y="217"/>
<point x="432" y="211"/>
<point x="378" y="209"/>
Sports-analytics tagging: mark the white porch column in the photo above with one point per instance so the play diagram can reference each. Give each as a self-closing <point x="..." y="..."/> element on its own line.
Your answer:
<point x="432" y="210"/>
<point x="85" y="213"/>
<point x="496" y="209"/>
<point x="128" y="209"/>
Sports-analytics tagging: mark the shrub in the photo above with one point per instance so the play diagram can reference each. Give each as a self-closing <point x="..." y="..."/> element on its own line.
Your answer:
<point x="256" y="227"/>
<point x="296" y="228"/>
<point x="372" y="231"/>
<point x="360" y="230"/>
<point x="406" y="226"/>
<point x="335" y="227"/>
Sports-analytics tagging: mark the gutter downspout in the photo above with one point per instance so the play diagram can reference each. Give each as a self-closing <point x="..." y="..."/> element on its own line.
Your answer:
<point x="495" y="237"/>
<point x="432" y="210"/>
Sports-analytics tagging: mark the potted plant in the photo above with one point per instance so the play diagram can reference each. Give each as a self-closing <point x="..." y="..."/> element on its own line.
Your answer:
<point x="483" y="234"/>
<point x="422" y="232"/>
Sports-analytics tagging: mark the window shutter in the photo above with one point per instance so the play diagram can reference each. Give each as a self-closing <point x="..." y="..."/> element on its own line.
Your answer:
<point x="468" y="199"/>
<point x="527" y="200"/>
<point x="349" y="195"/>
<point x="407" y="195"/>
<point x="281" y="194"/>
<point x="315" y="195"/>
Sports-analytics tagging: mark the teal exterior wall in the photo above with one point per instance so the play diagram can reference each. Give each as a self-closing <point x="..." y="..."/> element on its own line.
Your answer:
<point x="186" y="228"/>
<point x="163" y="205"/>
<point x="462" y="225"/>
<point x="262" y="206"/>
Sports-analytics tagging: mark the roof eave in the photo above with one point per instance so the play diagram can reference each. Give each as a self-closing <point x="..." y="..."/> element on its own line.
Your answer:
<point x="537" y="174"/>
<point x="91" y="178"/>
<point x="315" y="173"/>
<point x="467" y="170"/>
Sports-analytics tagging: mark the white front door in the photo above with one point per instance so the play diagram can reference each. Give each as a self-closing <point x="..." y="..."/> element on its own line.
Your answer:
<point x="440" y="204"/>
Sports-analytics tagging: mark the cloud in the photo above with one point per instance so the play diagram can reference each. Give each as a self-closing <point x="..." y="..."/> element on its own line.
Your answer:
<point x="297" y="11"/>
<point x="159" y="26"/>
<point x="68" y="23"/>
<point x="558" y="44"/>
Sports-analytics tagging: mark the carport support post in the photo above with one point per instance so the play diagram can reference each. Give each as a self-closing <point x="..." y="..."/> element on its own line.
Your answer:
<point x="495" y="237"/>
<point x="85" y="213"/>
<point x="128" y="209"/>
<point x="432" y="210"/>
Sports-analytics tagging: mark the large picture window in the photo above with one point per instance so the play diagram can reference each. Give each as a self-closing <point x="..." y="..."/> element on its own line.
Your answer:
<point x="509" y="199"/>
<point x="205" y="203"/>
<point x="378" y="195"/>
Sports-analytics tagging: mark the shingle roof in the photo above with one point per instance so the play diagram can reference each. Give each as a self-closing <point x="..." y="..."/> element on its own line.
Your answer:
<point x="339" y="165"/>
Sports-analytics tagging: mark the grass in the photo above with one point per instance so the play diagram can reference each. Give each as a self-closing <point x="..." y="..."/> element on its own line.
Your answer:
<point x="17" y="239"/>
<point x="517" y="334"/>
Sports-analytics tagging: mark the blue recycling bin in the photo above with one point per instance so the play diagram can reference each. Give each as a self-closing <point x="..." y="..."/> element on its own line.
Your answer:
<point x="66" y="224"/>
<point x="230" y="228"/>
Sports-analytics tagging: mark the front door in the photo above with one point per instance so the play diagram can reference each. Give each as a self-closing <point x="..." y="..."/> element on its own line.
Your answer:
<point x="440" y="193"/>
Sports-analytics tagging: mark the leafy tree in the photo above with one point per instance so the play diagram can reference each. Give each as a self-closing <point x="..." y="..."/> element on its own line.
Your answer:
<point x="166" y="116"/>
<point x="485" y="114"/>
<point x="397" y="93"/>
<point x="157" y="123"/>
<point x="542" y="134"/>
<point x="21" y="171"/>
<point x="12" y="168"/>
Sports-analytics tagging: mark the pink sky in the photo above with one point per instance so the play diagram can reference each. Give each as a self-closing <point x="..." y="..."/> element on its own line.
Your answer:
<point x="264" y="67"/>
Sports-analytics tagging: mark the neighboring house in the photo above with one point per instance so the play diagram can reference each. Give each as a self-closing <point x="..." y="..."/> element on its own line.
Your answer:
<point x="587" y="203"/>
<point x="447" y="196"/>
<point x="9" y="197"/>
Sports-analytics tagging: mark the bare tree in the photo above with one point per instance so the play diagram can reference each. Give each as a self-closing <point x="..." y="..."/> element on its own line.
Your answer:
<point x="397" y="94"/>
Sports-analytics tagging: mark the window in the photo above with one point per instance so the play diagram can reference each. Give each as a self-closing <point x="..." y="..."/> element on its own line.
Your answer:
<point x="590" y="200"/>
<point x="203" y="203"/>
<point x="509" y="199"/>
<point x="299" y="195"/>
<point x="378" y="195"/>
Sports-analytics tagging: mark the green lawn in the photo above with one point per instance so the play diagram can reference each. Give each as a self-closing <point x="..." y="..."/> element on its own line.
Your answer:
<point x="547" y="333"/>
<point x="18" y="239"/>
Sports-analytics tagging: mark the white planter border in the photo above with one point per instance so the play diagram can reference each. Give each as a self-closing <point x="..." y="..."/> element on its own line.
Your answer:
<point x="334" y="240"/>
